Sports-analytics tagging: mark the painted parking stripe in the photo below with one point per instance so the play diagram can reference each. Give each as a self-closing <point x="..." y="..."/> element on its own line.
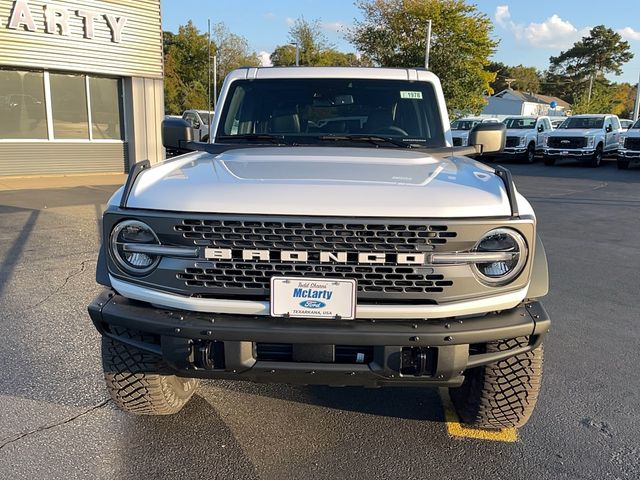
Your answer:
<point x="456" y="429"/>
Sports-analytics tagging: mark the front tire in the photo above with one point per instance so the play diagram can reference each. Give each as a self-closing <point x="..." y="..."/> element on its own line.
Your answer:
<point x="502" y="394"/>
<point x="530" y="154"/>
<point x="596" y="159"/>
<point x="138" y="381"/>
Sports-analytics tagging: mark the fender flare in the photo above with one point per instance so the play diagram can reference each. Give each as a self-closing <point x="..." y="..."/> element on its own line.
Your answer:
<point x="539" y="285"/>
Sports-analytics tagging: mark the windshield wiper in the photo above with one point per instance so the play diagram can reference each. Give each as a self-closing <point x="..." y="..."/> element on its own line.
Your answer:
<point x="258" y="137"/>
<point x="374" y="139"/>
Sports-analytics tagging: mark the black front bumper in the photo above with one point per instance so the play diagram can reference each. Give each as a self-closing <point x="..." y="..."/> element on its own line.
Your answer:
<point x="327" y="352"/>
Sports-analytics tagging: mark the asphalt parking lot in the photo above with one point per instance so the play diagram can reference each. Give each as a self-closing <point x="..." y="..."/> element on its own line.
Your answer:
<point x="57" y="421"/>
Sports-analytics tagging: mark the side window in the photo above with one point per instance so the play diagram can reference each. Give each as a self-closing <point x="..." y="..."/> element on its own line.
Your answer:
<point x="191" y="118"/>
<point x="547" y="124"/>
<point x="616" y="123"/>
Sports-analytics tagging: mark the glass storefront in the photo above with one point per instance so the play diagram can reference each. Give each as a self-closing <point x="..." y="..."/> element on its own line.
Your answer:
<point x="79" y="107"/>
<point x="22" y="106"/>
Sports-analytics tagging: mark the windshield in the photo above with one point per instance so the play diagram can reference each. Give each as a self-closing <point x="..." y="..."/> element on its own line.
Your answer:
<point x="464" y="124"/>
<point x="583" y="122"/>
<point x="636" y="125"/>
<point x="524" y="123"/>
<point x="311" y="111"/>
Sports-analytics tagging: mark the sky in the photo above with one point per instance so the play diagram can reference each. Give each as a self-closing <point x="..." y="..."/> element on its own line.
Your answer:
<point x="529" y="31"/>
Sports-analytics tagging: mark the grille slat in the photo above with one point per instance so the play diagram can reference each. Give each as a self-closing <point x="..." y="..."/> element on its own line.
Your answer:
<point x="512" y="142"/>
<point x="632" y="143"/>
<point x="251" y="278"/>
<point x="567" y="142"/>
<point x="314" y="236"/>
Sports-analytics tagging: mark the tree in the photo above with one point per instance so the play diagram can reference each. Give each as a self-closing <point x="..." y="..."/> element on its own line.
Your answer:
<point x="522" y="78"/>
<point x="283" y="56"/>
<point x="526" y="79"/>
<point x="186" y="63"/>
<point x="185" y="68"/>
<point x="232" y="51"/>
<point x="315" y="50"/>
<point x="623" y="98"/>
<point x="575" y="70"/>
<point x="393" y="34"/>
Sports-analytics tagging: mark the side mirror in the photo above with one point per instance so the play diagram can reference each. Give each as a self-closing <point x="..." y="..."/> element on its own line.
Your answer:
<point x="196" y="124"/>
<point x="488" y="137"/>
<point x="176" y="133"/>
<point x="609" y="128"/>
<point x="540" y="128"/>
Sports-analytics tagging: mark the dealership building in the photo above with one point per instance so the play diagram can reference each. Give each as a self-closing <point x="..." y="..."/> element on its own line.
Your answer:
<point x="81" y="86"/>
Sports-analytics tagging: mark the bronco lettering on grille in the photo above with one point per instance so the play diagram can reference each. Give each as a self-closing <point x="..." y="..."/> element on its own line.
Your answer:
<point x="319" y="257"/>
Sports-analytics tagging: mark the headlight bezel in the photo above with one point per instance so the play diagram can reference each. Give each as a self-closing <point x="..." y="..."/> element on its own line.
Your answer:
<point x="591" y="140"/>
<point x="522" y="141"/>
<point x="512" y="274"/>
<point x="116" y="255"/>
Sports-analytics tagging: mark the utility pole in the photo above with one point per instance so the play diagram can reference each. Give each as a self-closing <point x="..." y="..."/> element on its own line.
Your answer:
<point x="636" y="110"/>
<point x="427" y="52"/>
<point x="215" y="81"/>
<point x="297" y="52"/>
<point x="209" y="78"/>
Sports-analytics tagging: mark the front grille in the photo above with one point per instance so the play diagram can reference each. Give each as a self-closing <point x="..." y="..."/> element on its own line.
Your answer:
<point x="512" y="142"/>
<point x="457" y="142"/>
<point x="632" y="143"/>
<point x="567" y="142"/>
<point x="253" y="276"/>
<point x="333" y="237"/>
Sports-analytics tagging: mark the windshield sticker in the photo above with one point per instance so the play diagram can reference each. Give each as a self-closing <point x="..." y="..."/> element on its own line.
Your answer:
<point x="411" y="95"/>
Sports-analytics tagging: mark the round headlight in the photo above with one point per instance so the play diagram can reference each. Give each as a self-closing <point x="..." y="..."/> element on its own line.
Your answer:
<point x="501" y="272"/>
<point x="123" y="238"/>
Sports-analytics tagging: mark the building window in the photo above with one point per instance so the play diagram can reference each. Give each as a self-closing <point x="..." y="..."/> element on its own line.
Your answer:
<point x="60" y="106"/>
<point x="22" y="106"/>
<point x="106" y="115"/>
<point x="69" y="106"/>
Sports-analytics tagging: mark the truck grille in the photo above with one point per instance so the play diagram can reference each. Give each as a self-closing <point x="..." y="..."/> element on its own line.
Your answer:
<point x="632" y="143"/>
<point x="512" y="142"/>
<point x="567" y="142"/>
<point x="315" y="236"/>
<point x="252" y="277"/>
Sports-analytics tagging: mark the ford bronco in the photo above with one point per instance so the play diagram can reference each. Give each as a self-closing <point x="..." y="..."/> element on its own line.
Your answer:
<point x="328" y="234"/>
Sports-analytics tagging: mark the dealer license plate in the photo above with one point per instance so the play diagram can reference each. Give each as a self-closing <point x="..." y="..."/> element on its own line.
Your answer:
<point x="313" y="297"/>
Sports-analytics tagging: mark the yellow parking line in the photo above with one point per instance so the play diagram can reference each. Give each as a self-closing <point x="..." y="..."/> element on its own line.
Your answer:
<point x="456" y="429"/>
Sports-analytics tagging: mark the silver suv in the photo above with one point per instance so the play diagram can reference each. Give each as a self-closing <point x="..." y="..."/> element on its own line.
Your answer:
<point x="583" y="137"/>
<point x="309" y="245"/>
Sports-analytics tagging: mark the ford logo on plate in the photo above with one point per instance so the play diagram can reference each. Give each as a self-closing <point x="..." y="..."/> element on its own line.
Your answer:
<point x="312" y="304"/>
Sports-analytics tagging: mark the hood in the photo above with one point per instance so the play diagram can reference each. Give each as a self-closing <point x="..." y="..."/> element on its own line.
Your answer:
<point x="574" y="132"/>
<point x="328" y="181"/>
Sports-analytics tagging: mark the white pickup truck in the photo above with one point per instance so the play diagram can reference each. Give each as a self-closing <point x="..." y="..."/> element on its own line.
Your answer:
<point x="525" y="136"/>
<point x="583" y="137"/>
<point x="461" y="127"/>
<point x="629" y="146"/>
<point x="306" y="245"/>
